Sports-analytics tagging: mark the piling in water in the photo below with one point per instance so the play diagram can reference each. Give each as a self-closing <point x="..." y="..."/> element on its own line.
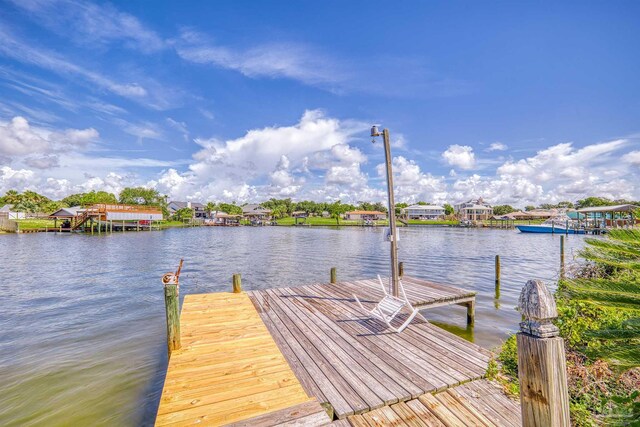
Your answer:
<point x="172" y="307"/>
<point x="401" y="269"/>
<point x="333" y="275"/>
<point x="237" y="283"/>
<point x="497" y="276"/>
<point x="562" y="257"/>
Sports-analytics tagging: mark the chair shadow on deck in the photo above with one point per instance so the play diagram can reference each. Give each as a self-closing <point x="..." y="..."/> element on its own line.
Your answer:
<point x="365" y="320"/>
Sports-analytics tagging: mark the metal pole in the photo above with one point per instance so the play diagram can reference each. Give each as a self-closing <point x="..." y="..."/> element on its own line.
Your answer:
<point x="392" y="215"/>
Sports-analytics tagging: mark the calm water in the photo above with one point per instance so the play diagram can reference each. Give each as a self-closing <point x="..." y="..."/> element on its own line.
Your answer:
<point x="82" y="332"/>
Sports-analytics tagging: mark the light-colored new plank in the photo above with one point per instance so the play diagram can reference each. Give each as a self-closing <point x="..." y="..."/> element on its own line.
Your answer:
<point x="229" y="367"/>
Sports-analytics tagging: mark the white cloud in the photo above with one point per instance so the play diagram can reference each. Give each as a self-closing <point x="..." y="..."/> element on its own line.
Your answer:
<point x="43" y="162"/>
<point x="92" y="23"/>
<point x="497" y="146"/>
<point x="289" y="60"/>
<point x="12" y="179"/>
<point x="461" y="156"/>
<point x="13" y="48"/>
<point x="145" y="91"/>
<point x="19" y="138"/>
<point x="274" y="161"/>
<point x="556" y="173"/>
<point x="632" y="157"/>
<point x="180" y="127"/>
<point x="411" y="185"/>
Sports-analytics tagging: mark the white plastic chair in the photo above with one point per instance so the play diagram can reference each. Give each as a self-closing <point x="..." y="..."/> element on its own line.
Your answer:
<point x="389" y="307"/>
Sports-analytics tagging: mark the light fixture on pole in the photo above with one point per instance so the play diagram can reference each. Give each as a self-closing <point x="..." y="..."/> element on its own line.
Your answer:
<point x="393" y="232"/>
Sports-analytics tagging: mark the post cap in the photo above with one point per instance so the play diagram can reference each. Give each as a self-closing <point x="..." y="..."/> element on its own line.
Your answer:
<point x="538" y="307"/>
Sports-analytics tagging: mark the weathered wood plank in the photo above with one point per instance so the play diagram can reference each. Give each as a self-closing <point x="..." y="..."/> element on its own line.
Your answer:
<point x="305" y="414"/>
<point x="379" y="382"/>
<point x="340" y="395"/>
<point x="343" y="366"/>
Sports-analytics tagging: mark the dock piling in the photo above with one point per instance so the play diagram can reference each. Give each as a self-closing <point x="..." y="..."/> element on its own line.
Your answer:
<point x="471" y="312"/>
<point x="237" y="283"/>
<point x="401" y="269"/>
<point x="562" y="257"/>
<point x="172" y="307"/>
<point x="333" y="275"/>
<point x="542" y="369"/>
<point x="497" y="275"/>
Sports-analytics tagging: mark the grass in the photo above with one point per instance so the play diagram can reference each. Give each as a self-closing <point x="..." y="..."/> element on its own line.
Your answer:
<point x="170" y="224"/>
<point x="432" y="222"/>
<point x="30" y="224"/>
<point x="319" y="221"/>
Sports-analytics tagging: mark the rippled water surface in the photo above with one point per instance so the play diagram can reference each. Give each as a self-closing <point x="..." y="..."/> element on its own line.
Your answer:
<point x="82" y="332"/>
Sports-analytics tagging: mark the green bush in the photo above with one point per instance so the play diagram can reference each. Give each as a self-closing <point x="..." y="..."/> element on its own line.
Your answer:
<point x="508" y="357"/>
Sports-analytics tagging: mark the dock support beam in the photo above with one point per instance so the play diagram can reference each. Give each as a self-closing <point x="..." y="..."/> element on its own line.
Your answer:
<point x="401" y="269"/>
<point x="172" y="307"/>
<point x="237" y="283"/>
<point x="333" y="275"/>
<point x="542" y="369"/>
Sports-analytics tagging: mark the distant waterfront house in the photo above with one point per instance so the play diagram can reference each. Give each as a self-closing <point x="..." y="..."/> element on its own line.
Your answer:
<point x="199" y="210"/>
<point x="8" y="212"/>
<point x="365" y="215"/>
<point x="511" y="216"/>
<point x="256" y="213"/>
<point x="474" y="210"/>
<point x="423" y="212"/>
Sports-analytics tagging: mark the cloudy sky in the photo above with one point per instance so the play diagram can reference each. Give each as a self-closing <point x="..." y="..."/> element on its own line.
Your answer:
<point x="517" y="102"/>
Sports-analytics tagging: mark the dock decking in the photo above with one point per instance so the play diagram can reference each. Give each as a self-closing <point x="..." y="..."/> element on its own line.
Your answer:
<point x="303" y="355"/>
<point x="348" y="360"/>
<point x="478" y="403"/>
<point x="229" y="368"/>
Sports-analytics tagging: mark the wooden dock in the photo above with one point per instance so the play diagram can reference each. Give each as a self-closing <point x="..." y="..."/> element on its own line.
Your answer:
<point x="277" y="356"/>
<point x="352" y="362"/>
<point x="229" y="368"/>
<point x="477" y="403"/>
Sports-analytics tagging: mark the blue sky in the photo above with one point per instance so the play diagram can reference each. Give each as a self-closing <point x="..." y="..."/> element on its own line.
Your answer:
<point x="516" y="102"/>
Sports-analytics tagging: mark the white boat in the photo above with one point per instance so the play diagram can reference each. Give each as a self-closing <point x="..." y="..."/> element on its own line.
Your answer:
<point x="558" y="224"/>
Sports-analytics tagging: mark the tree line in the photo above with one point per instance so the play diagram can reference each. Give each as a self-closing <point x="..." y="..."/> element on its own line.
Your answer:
<point x="587" y="202"/>
<point x="32" y="202"/>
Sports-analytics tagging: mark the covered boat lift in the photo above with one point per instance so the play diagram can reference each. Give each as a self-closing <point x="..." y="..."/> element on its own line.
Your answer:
<point x="618" y="216"/>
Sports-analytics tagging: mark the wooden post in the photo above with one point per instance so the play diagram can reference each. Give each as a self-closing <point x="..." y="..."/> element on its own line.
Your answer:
<point x="562" y="257"/>
<point x="542" y="370"/>
<point x="237" y="283"/>
<point x="471" y="312"/>
<point x="333" y="275"/>
<point x="498" y="276"/>
<point x="172" y="307"/>
<point x="401" y="269"/>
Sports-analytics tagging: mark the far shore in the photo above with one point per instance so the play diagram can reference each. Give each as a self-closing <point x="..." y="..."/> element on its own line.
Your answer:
<point x="35" y="225"/>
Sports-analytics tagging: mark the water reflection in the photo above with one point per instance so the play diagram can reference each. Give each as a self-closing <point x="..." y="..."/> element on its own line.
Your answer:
<point x="82" y="322"/>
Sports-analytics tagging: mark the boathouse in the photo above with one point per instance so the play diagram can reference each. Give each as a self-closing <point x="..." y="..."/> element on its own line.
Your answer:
<point x="108" y="217"/>
<point x="610" y="216"/>
<point x="256" y="213"/>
